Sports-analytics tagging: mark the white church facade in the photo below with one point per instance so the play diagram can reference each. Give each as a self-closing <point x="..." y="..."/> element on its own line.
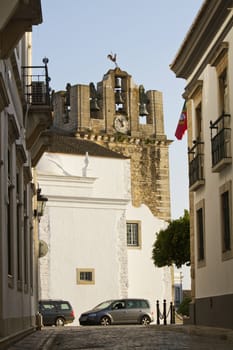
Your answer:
<point x="100" y="245"/>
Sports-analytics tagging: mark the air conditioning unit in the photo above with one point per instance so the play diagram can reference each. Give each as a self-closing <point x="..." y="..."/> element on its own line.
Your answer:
<point x="38" y="93"/>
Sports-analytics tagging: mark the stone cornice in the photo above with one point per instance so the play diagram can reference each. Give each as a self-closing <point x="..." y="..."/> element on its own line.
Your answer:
<point x="58" y="201"/>
<point x="67" y="180"/>
<point x="207" y="24"/>
<point x="122" y="138"/>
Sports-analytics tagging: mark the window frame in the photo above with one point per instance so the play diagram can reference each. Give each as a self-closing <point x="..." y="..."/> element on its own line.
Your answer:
<point x="79" y="280"/>
<point x="138" y="245"/>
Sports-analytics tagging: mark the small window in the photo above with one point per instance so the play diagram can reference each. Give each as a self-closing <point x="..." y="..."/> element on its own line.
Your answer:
<point x="134" y="234"/>
<point x="85" y="276"/>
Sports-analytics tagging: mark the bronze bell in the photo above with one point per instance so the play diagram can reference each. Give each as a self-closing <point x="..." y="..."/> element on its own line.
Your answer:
<point x="117" y="82"/>
<point x="118" y="97"/>
<point x="142" y="110"/>
<point x="94" y="105"/>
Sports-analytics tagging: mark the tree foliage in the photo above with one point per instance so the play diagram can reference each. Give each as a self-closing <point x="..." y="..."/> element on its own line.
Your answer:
<point x="172" y="245"/>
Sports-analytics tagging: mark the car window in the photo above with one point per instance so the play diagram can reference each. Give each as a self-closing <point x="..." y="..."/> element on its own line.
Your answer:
<point x="103" y="305"/>
<point x="64" y="306"/>
<point x="118" y="305"/>
<point x="144" y="304"/>
<point x="133" y="304"/>
<point x="47" y="306"/>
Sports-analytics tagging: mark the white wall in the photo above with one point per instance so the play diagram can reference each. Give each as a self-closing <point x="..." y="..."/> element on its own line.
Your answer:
<point x="146" y="280"/>
<point x="85" y="227"/>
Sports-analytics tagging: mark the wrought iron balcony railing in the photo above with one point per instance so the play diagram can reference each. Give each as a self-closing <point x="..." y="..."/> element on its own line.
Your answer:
<point x="221" y="142"/>
<point x="196" y="165"/>
<point x="36" y="84"/>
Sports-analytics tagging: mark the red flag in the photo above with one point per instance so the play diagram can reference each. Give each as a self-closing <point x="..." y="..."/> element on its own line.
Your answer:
<point x="182" y="123"/>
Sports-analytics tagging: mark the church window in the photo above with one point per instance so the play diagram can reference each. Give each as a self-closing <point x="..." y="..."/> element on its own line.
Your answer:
<point x="134" y="234"/>
<point x="85" y="276"/>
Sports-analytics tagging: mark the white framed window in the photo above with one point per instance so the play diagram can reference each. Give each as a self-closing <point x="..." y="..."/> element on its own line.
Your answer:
<point x="133" y="234"/>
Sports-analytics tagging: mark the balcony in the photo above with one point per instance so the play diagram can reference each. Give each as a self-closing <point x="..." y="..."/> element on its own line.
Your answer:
<point x="38" y="110"/>
<point x="36" y="84"/>
<point x="221" y="143"/>
<point x="196" y="165"/>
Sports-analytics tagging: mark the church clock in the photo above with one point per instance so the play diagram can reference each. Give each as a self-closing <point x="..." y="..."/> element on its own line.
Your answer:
<point x="121" y="124"/>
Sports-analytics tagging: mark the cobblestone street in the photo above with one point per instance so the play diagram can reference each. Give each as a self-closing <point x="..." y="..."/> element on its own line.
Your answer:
<point x="127" y="338"/>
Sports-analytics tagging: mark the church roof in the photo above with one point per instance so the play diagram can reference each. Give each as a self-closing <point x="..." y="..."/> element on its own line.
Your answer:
<point x="70" y="144"/>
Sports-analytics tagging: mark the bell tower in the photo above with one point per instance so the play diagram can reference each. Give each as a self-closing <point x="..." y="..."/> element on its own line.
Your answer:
<point x="120" y="115"/>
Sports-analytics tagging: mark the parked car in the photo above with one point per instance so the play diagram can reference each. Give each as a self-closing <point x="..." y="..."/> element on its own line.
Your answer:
<point x="56" y="312"/>
<point x="118" y="311"/>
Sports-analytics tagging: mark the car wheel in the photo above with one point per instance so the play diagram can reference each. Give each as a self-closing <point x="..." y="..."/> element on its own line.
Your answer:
<point x="60" y="322"/>
<point x="145" y="320"/>
<point x="105" y="321"/>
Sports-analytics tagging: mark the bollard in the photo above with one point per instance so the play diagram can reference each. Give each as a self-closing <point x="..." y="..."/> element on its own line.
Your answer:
<point x="172" y="313"/>
<point x="39" y="321"/>
<point x="164" y="313"/>
<point x="157" y="311"/>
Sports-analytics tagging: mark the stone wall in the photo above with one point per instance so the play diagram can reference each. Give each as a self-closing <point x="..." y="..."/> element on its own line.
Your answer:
<point x="143" y="141"/>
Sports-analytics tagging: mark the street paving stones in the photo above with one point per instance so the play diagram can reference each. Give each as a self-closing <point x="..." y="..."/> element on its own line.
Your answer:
<point x="127" y="338"/>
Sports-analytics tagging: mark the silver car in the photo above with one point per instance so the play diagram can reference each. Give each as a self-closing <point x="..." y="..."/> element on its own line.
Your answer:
<point x="118" y="311"/>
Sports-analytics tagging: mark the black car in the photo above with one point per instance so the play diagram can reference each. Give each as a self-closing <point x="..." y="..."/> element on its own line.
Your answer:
<point x="118" y="311"/>
<point x="56" y="312"/>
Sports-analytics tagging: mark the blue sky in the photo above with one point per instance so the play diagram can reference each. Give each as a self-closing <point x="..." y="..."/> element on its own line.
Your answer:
<point x="77" y="36"/>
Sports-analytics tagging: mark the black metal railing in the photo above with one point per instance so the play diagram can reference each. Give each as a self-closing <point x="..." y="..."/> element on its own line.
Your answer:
<point x="196" y="163"/>
<point x="36" y="84"/>
<point x="220" y="140"/>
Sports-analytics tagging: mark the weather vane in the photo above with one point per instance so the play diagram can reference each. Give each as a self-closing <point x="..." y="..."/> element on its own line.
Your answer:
<point x="113" y="58"/>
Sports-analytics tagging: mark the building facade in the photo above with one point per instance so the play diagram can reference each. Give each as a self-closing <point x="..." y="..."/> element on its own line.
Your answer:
<point x="205" y="61"/>
<point x="110" y="141"/>
<point x="22" y="120"/>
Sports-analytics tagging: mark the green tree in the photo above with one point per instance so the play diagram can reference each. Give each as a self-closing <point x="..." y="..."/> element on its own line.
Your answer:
<point x="172" y="245"/>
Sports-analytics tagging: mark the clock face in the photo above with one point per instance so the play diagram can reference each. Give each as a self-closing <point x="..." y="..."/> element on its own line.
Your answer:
<point x="121" y="124"/>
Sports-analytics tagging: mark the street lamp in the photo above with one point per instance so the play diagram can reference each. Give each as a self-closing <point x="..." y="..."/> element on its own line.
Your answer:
<point x="41" y="203"/>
